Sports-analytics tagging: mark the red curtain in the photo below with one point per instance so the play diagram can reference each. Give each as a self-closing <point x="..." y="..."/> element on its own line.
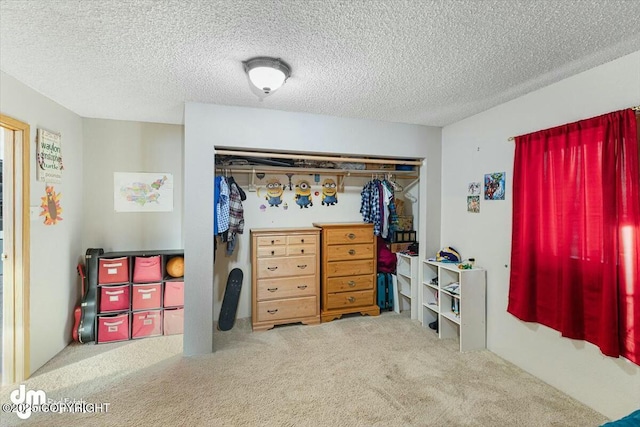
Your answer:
<point x="576" y="232"/>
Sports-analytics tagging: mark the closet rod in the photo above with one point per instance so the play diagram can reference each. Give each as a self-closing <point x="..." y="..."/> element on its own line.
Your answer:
<point x="635" y="108"/>
<point x="312" y="157"/>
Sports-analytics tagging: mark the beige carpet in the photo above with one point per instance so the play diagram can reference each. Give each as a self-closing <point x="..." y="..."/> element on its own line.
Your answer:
<point x="356" y="371"/>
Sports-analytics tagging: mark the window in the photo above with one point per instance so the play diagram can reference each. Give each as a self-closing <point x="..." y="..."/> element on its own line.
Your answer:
<point x="576" y="232"/>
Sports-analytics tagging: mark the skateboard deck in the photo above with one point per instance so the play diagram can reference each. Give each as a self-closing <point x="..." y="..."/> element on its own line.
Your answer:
<point x="230" y="300"/>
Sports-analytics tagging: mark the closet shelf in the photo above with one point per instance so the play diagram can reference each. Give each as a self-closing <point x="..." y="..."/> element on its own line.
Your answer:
<point x="315" y="157"/>
<point x="248" y="169"/>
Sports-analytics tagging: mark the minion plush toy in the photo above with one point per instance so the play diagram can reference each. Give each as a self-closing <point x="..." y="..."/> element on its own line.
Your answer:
<point x="329" y="192"/>
<point x="303" y="194"/>
<point x="274" y="192"/>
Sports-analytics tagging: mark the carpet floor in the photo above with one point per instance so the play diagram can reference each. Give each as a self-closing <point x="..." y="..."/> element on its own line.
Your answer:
<point x="356" y="371"/>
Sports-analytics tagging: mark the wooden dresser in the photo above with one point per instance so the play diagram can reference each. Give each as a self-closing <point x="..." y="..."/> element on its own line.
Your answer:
<point x="348" y="270"/>
<point x="285" y="279"/>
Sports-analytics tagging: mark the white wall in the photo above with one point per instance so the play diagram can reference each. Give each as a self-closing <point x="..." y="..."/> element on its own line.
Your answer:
<point x="479" y="145"/>
<point x="55" y="249"/>
<point x="122" y="146"/>
<point x="211" y="126"/>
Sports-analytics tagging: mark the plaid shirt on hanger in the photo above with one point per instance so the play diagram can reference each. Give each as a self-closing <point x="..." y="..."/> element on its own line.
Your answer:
<point x="370" y="205"/>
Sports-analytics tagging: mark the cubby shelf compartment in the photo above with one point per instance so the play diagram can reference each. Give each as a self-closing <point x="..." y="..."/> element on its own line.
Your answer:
<point x="407" y="283"/>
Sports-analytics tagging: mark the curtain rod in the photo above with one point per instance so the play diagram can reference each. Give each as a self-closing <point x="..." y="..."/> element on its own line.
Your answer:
<point x="322" y="158"/>
<point x="636" y="108"/>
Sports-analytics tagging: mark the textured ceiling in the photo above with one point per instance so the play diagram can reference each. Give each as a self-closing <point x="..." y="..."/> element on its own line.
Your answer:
<point x="411" y="61"/>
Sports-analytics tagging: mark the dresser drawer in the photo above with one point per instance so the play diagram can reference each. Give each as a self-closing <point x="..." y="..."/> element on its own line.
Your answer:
<point x="348" y="252"/>
<point x="350" y="268"/>
<point x="286" y="288"/>
<point x="271" y="251"/>
<point x="301" y="249"/>
<point x="350" y="283"/>
<point x="288" y="266"/>
<point x="271" y="240"/>
<point x="350" y="299"/>
<point x="302" y="239"/>
<point x="349" y="235"/>
<point x="286" y="309"/>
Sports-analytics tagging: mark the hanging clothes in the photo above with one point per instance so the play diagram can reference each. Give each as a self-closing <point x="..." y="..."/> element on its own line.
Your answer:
<point x="391" y="220"/>
<point x="386" y="199"/>
<point x="370" y="205"/>
<point x="378" y="208"/>
<point x="220" y="205"/>
<point x="236" y="214"/>
<point x="243" y="195"/>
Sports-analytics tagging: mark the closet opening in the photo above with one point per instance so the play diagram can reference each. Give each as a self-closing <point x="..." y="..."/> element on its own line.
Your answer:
<point x="292" y="192"/>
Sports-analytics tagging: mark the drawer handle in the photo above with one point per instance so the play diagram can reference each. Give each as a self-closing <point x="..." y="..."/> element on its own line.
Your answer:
<point x="273" y="252"/>
<point x="272" y="268"/>
<point x="273" y="242"/>
<point x="302" y="286"/>
<point x="272" y="311"/>
<point x="351" y="283"/>
<point x="352" y="251"/>
<point x="351" y="236"/>
<point x="301" y="251"/>
<point x="272" y="289"/>
<point x="351" y="299"/>
<point x="302" y="266"/>
<point x="301" y="240"/>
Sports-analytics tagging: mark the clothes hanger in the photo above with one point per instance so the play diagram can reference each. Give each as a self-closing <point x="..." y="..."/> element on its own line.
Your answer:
<point x="394" y="184"/>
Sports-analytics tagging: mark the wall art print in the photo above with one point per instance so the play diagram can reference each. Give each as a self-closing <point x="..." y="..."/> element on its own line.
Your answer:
<point x="473" y="189"/>
<point x="329" y="192"/>
<point x="473" y="204"/>
<point x="142" y="192"/>
<point x="282" y="191"/>
<point x="273" y="193"/>
<point x="51" y="208"/>
<point x="303" y="194"/>
<point x="494" y="186"/>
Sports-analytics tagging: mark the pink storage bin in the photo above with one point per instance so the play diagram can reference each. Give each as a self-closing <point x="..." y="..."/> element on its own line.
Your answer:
<point x="146" y="323"/>
<point x="113" y="270"/>
<point x="147" y="269"/>
<point x="173" y="294"/>
<point x="113" y="328"/>
<point x="173" y="322"/>
<point x="114" y="298"/>
<point x="146" y="296"/>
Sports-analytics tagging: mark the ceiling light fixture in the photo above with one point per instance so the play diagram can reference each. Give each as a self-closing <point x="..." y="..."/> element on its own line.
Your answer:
<point x="267" y="74"/>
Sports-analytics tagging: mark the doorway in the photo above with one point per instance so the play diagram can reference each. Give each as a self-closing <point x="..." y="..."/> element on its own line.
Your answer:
<point x="15" y="234"/>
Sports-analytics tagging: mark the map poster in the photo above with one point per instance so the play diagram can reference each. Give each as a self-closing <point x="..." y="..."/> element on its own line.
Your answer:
<point x="142" y="192"/>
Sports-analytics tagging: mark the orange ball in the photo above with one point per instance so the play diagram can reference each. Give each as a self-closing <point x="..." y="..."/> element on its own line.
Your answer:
<point x="175" y="267"/>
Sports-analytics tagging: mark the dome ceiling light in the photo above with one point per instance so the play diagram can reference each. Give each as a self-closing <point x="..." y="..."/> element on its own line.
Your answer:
<point x="267" y="74"/>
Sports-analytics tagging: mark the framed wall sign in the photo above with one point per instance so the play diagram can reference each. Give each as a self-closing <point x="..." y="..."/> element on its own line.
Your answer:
<point x="49" y="157"/>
